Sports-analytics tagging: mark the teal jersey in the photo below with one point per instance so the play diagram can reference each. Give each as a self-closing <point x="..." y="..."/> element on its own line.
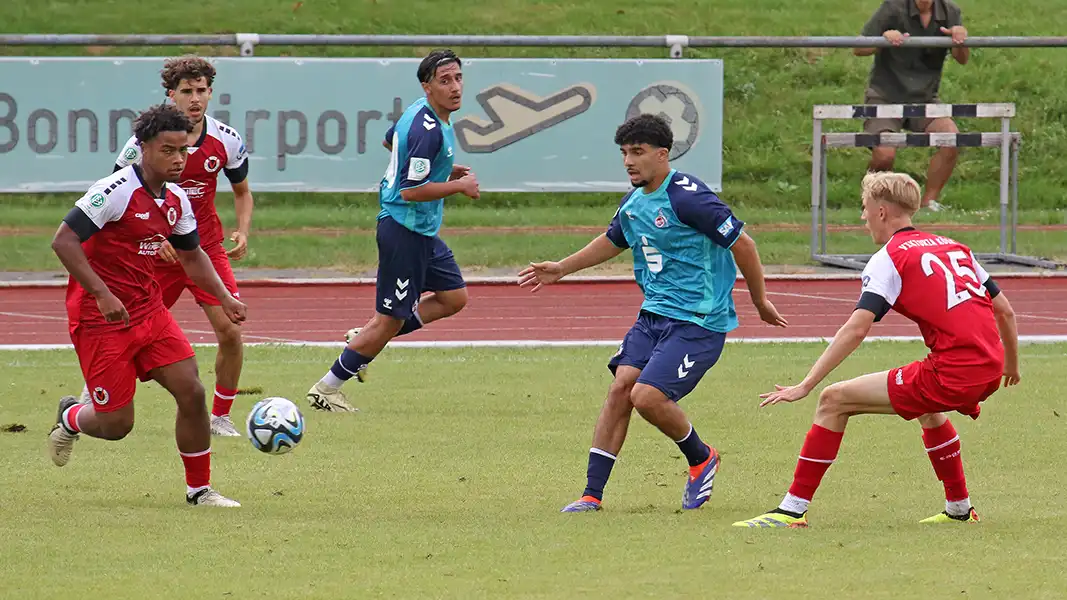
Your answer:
<point x="422" y="153"/>
<point x="680" y="236"/>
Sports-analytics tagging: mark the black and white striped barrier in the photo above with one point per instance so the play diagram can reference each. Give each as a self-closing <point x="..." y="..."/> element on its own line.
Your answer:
<point x="1005" y="139"/>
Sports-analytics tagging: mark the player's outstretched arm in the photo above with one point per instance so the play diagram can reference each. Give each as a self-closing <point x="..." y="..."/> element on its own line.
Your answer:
<point x="68" y="247"/>
<point x="747" y="258"/>
<point x="466" y="185"/>
<point x="538" y="275"/>
<point x="846" y="340"/>
<point x="198" y="267"/>
<point x="1009" y="336"/>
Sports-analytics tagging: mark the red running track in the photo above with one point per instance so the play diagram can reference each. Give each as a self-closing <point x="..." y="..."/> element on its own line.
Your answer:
<point x="561" y="313"/>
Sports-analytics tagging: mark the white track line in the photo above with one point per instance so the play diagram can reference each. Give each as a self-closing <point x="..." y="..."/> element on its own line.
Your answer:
<point x="1026" y="339"/>
<point x="32" y="316"/>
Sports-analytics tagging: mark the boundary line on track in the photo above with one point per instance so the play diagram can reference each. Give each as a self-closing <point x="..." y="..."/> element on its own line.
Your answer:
<point x="1024" y="339"/>
<point x="500" y="280"/>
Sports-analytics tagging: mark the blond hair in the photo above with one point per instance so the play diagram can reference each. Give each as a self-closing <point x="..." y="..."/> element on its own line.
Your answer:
<point x="892" y="188"/>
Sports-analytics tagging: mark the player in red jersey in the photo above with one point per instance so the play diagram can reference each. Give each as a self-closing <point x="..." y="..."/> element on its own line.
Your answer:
<point x="966" y="322"/>
<point x="214" y="147"/>
<point x="121" y="331"/>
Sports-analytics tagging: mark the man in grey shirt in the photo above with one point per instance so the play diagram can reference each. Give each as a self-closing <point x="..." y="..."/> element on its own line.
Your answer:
<point x="904" y="75"/>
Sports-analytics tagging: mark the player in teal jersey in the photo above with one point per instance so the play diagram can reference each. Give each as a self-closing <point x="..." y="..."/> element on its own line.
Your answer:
<point x="412" y="259"/>
<point x="685" y="242"/>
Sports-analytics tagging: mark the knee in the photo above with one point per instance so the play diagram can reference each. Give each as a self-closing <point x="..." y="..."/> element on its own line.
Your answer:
<point x="882" y="158"/>
<point x="619" y="392"/>
<point x="454" y="301"/>
<point x="117" y="425"/>
<point x="382" y="326"/>
<point x="950" y="153"/>
<point x="831" y="401"/>
<point x="229" y="337"/>
<point x="190" y="396"/>
<point x="646" y="398"/>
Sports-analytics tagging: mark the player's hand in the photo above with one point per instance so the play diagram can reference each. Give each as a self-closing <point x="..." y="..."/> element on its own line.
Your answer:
<point x="241" y="249"/>
<point x="895" y="37"/>
<point x="958" y="33"/>
<point x="112" y="309"/>
<point x="540" y="274"/>
<point x="458" y="172"/>
<point x="782" y="393"/>
<point x="769" y="314"/>
<point x="1011" y="375"/>
<point x="235" y="310"/>
<point x="167" y="252"/>
<point x="469" y="185"/>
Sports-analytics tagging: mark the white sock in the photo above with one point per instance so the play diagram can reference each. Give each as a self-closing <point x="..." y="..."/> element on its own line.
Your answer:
<point x="959" y="507"/>
<point x="191" y="491"/>
<point x="794" y="504"/>
<point x="331" y="382"/>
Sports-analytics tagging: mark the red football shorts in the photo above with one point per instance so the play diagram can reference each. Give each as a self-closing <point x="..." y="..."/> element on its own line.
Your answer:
<point x="113" y="359"/>
<point x="914" y="390"/>
<point x="173" y="280"/>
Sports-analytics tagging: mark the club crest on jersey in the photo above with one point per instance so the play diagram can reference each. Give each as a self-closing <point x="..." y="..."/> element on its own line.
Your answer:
<point x="661" y="219"/>
<point x="212" y="164"/>
<point x="101" y="396"/>
<point x="172" y="216"/>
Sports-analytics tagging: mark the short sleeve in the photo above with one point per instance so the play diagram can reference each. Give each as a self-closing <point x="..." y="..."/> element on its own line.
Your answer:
<point x="699" y="208"/>
<point x="955" y="16"/>
<point x="423" y="145"/>
<point x="881" y="277"/>
<point x="187" y="222"/>
<point x="615" y="233"/>
<point x="881" y="21"/>
<point x="130" y="154"/>
<point x="236" y="152"/>
<point x="103" y="205"/>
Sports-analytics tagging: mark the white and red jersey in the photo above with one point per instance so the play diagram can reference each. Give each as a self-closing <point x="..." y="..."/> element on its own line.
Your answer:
<point x="219" y="148"/>
<point x="936" y="282"/>
<point x="132" y="224"/>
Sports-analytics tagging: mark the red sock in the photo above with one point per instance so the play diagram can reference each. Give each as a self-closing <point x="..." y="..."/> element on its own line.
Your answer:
<point x="197" y="468"/>
<point x="70" y="418"/>
<point x="943" y="448"/>
<point x="819" y="452"/>
<point x="223" y="401"/>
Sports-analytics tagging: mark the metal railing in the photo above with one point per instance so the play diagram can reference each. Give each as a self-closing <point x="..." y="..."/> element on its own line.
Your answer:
<point x="676" y="43"/>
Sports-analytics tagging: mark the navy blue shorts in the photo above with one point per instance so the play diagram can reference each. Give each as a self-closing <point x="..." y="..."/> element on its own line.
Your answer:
<point x="673" y="355"/>
<point x="409" y="264"/>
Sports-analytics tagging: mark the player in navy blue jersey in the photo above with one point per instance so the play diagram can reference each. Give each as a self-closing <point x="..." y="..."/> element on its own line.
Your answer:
<point x="684" y="241"/>
<point x="412" y="259"/>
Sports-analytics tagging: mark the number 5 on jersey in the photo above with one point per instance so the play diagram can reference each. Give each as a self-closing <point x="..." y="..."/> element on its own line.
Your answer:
<point x="953" y="297"/>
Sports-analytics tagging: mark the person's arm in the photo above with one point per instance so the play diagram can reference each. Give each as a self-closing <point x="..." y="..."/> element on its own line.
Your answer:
<point x="387" y="142"/>
<point x="242" y="206"/>
<point x="467" y="185"/>
<point x="90" y="213"/>
<point x="1009" y="337"/>
<point x="879" y="23"/>
<point x="955" y="28"/>
<point x="698" y="207"/>
<point x="423" y="145"/>
<point x="748" y="262"/>
<point x="603" y="248"/>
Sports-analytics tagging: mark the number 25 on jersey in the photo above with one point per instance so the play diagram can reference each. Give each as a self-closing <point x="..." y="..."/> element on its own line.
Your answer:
<point x="953" y="297"/>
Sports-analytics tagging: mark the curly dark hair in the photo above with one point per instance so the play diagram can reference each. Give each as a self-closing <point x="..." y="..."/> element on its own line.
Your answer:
<point x="434" y="60"/>
<point x="160" y="118"/>
<point x="186" y="67"/>
<point x="645" y="129"/>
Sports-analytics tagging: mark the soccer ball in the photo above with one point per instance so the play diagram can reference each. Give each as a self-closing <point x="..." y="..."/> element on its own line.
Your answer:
<point x="275" y="425"/>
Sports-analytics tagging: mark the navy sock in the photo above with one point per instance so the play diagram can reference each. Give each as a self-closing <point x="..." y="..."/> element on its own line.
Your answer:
<point x="348" y="364"/>
<point x="413" y="323"/>
<point x="694" y="449"/>
<point x="600" y="464"/>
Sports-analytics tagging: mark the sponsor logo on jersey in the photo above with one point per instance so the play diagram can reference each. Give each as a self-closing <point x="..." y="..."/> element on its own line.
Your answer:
<point x="193" y="188"/>
<point x="172" y="216"/>
<point x="142" y="216"/>
<point x="726" y="227"/>
<point x="866" y="281"/>
<point x="101" y="396"/>
<point x="150" y="246"/>
<point x="212" y="164"/>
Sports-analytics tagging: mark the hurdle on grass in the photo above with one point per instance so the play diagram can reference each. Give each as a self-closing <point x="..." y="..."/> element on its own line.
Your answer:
<point x="1006" y="140"/>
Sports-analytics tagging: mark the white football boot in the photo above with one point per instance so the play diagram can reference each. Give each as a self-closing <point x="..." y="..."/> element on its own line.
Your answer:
<point x="322" y="399"/>
<point x="223" y="426"/>
<point x="209" y="497"/>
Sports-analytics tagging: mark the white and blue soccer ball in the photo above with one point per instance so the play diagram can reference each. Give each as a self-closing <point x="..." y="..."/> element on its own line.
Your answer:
<point x="275" y="425"/>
